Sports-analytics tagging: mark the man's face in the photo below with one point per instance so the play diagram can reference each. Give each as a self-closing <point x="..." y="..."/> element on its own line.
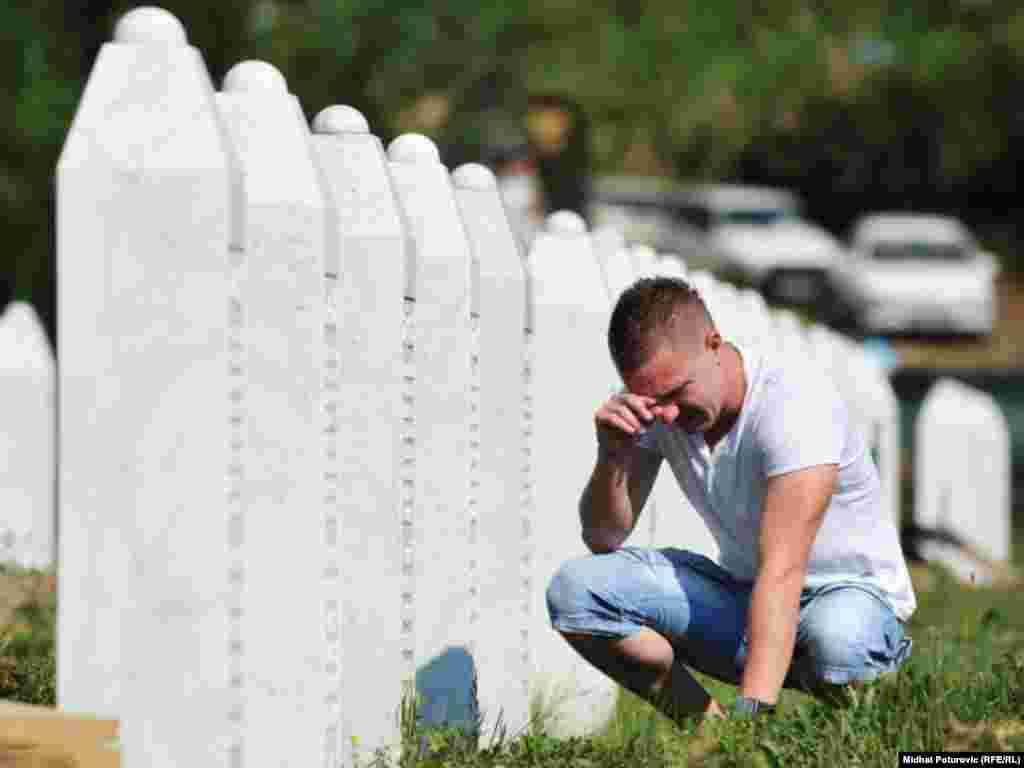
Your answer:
<point x="685" y="378"/>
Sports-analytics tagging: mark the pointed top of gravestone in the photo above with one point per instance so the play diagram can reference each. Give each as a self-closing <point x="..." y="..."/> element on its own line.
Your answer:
<point x="254" y="76"/>
<point x="340" y="118"/>
<point x="474" y="176"/>
<point x="149" y="25"/>
<point x="413" y="148"/>
<point x="566" y="223"/>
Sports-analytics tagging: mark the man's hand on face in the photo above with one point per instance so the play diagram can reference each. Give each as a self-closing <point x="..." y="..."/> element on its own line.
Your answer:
<point x="619" y="423"/>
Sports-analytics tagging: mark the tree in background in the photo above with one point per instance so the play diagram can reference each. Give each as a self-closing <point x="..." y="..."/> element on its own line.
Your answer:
<point x="845" y="101"/>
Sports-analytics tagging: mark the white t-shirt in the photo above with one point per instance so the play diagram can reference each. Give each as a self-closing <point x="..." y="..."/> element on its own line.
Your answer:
<point x="792" y="417"/>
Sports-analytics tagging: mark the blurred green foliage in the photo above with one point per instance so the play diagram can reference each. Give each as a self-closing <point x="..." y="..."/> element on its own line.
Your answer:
<point x="854" y="104"/>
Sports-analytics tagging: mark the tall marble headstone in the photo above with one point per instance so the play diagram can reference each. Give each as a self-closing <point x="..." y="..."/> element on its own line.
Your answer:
<point x="572" y="376"/>
<point x="27" y="440"/>
<point x="149" y="340"/>
<point x="367" y="413"/>
<point x="501" y="516"/>
<point x="442" y="340"/>
<point x="279" y="560"/>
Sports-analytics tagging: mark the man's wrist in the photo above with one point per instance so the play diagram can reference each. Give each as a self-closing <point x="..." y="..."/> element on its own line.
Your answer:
<point x="749" y="707"/>
<point x="609" y="456"/>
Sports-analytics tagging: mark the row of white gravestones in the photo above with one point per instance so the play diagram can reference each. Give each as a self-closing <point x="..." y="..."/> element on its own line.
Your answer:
<point x="962" y="481"/>
<point x="27" y="440"/>
<point x="318" y="438"/>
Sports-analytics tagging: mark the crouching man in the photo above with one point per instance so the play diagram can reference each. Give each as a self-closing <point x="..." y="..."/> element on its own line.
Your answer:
<point x="811" y="590"/>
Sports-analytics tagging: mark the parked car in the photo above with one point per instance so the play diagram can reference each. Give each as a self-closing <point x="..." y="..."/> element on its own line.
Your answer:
<point x="761" y="239"/>
<point x="755" y="236"/>
<point x="918" y="273"/>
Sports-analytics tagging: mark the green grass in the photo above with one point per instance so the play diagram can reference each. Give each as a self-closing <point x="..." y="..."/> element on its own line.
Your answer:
<point x="962" y="689"/>
<point x="28" y="670"/>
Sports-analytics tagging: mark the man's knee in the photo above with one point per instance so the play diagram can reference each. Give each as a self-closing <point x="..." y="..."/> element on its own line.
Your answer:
<point x="566" y="589"/>
<point x="851" y="637"/>
<point x="589" y="595"/>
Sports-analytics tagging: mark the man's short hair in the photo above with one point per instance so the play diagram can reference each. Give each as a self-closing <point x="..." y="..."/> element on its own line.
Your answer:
<point x="643" y="312"/>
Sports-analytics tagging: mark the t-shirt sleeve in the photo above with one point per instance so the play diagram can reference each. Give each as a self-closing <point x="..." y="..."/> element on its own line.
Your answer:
<point x="803" y="423"/>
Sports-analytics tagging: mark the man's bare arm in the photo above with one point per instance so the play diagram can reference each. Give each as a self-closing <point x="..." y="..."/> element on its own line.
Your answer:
<point x="615" y="496"/>
<point x="794" y="506"/>
<point x="623" y="475"/>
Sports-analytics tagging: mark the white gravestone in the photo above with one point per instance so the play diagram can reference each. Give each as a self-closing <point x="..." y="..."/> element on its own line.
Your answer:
<point x="754" y="326"/>
<point x="572" y="376"/>
<point x="148" y="338"/>
<point x="27" y="440"/>
<point x="962" y="468"/>
<point x="613" y="258"/>
<point x="444" y="338"/>
<point x="707" y="288"/>
<point x="730" y="307"/>
<point x="500" y="519"/>
<point x="790" y="340"/>
<point x="277" y="507"/>
<point x="671" y="266"/>
<point x="874" y="405"/>
<point x="365" y="412"/>
<point x="644" y="260"/>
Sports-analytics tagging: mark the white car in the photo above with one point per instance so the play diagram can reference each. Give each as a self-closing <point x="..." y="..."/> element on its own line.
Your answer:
<point x="760" y="237"/>
<point x="915" y="272"/>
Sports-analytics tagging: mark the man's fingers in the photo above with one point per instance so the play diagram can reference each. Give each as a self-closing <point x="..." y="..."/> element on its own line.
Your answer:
<point x="638" y="404"/>
<point x="622" y="418"/>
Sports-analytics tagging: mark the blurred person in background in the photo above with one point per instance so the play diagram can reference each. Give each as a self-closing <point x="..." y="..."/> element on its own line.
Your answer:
<point x="520" y="190"/>
<point x="811" y="589"/>
<point x="559" y="135"/>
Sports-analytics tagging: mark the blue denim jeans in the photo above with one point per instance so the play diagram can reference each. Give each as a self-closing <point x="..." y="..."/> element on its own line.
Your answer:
<point x="847" y="630"/>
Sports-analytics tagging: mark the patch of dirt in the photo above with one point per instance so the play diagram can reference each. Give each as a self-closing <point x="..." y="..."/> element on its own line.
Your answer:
<point x="1004" y="736"/>
<point x="20" y="587"/>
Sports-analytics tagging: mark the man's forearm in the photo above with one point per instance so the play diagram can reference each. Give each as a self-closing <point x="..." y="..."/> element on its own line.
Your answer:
<point x="774" y="613"/>
<point x="605" y="510"/>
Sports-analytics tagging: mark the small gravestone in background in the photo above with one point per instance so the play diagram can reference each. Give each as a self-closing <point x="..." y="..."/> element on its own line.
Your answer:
<point x="962" y="481"/>
<point x="27" y="440"/>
